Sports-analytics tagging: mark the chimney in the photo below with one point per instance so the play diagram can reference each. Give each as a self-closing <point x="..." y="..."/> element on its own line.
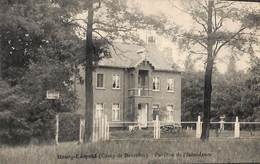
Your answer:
<point x="151" y="42"/>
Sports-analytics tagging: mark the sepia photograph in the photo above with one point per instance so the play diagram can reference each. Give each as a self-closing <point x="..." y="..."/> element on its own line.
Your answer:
<point x="129" y="81"/>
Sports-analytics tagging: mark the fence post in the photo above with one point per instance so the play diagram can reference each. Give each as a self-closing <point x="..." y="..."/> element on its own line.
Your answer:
<point x="57" y="130"/>
<point x="107" y="129"/>
<point x="158" y="127"/>
<point x="94" y="130"/>
<point x="198" y="128"/>
<point x="99" y="128"/>
<point x="221" y="122"/>
<point x="103" y="128"/>
<point x="156" y="131"/>
<point x="237" y="129"/>
<point x="81" y="130"/>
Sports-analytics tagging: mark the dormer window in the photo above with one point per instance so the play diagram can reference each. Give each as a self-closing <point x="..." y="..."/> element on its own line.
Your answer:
<point x="151" y="40"/>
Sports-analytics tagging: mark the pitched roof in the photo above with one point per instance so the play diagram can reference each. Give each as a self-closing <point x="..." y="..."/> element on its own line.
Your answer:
<point x="130" y="56"/>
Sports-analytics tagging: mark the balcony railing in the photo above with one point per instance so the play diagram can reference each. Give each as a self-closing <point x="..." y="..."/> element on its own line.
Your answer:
<point x="139" y="92"/>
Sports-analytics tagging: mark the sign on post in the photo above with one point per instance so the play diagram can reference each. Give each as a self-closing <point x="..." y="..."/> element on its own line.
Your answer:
<point x="52" y="95"/>
<point x="57" y="129"/>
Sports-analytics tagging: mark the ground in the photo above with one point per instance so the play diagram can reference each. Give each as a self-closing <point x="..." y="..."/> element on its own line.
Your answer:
<point x="138" y="151"/>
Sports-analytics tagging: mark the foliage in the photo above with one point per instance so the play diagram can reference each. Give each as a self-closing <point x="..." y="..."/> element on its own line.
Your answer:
<point x="38" y="53"/>
<point x="251" y="100"/>
<point x="69" y="127"/>
<point x="235" y="93"/>
<point x="211" y="35"/>
<point x="192" y="95"/>
<point x="228" y="93"/>
<point x="12" y="114"/>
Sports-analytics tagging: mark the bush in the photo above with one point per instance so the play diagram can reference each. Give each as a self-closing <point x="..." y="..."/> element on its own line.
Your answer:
<point x="69" y="127"/>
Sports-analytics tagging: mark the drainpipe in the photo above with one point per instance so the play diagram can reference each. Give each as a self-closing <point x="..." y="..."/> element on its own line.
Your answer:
<point x="124" y="96"/>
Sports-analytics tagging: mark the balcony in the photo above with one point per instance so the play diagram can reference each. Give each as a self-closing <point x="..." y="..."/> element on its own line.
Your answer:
<point x="144" y="92"/>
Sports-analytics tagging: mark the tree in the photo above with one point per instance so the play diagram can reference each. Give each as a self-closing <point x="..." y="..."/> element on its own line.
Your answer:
<point x="25" y="27"/>
<point x="114" y="21"/>
<point x="38" y="53"/>
<point x="210" y="37"/>
<point x="251" y="99"/>
<point x="39" y="44"/>
<point x="88" y="74"/>
<point x="192" y="95"/>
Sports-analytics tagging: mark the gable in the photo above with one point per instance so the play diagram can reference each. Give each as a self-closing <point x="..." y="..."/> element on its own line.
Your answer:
<point x="145" y="65"/>
<point x="131" y="56"/>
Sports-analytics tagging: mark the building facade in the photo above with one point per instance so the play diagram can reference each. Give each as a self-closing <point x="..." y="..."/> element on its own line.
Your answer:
<point x="134" y="85"/>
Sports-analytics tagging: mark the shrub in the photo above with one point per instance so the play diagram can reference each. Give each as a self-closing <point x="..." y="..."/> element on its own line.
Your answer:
<point x="69" y="127"/>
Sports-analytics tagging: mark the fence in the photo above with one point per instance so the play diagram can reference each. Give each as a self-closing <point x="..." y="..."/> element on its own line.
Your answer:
<point x="104" y="130"/>
<point x="168" y="130"/>
<point x="100" y="129"/>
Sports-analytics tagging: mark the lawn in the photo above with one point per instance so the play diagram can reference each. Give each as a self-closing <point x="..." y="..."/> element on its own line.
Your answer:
<point x="148" y="134"/>
<point x="136" y="152"/>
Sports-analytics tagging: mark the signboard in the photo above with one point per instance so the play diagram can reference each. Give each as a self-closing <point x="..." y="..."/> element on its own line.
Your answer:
<point x="52" y="94"/>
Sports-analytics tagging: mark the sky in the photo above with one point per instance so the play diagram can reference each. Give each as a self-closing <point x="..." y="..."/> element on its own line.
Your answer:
<point x="175" y="13"/>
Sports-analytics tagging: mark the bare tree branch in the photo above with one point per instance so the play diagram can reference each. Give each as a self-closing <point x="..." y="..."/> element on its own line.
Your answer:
<point x="75" y="20"/>
<point x="201" y="4"/>
<point x="106" y="27"/>
<point x="232" y="37"/>
<point x="200" y="43"/>
<point x="76" y="25"/>
<point x="203" y="25"/>
<point x="228" y="4"/>
<point x="215" y="49"/>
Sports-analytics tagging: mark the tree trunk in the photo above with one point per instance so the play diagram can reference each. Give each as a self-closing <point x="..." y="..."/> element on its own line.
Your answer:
<point x="208" y="77"/>
<point x="88" y="75"/>
<point x="1" y="57"/>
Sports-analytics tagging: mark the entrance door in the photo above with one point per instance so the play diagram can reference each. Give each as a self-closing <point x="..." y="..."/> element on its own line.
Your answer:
<point x="142" y="115"/>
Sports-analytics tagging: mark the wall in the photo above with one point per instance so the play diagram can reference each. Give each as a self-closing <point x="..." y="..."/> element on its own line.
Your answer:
<point x="108" y="96"/>
<point x="163" y="97"/>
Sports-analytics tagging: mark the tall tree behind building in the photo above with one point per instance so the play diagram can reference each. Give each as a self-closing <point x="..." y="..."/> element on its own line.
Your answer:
<point x="211" y="35"/>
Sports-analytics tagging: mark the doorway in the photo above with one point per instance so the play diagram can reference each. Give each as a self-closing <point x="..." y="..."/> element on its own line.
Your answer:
<point x="142" y="115"/>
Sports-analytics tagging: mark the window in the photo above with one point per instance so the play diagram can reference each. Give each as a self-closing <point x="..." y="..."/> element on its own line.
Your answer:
<point x="170" y="112"/>
<point x="156" y="109"/>
<point x="115" y="112"/>
<point x="170" y="85"/>
<point x="156" y="84"/>
<point x="116" y="82"/>
<point x="100" y="80"/>
<point x="151" y="39"/>
<point x="99" y="109"/>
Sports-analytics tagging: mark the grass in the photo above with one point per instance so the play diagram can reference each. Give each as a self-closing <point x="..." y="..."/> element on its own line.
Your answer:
<point x="148" y="133"/>
<point x="137" y="152"/>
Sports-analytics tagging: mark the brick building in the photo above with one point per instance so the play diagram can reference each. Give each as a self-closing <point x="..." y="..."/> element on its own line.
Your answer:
<point x="135" y="84"/>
